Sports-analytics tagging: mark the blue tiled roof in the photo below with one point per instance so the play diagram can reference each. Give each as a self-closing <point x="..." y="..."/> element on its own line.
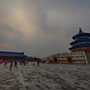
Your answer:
<point x="81" y="34"/>
<point x="80" y="40"/>
<point x="80" y="31"/>
<point x="3" y="53"/>
<point x="80" y="46"/>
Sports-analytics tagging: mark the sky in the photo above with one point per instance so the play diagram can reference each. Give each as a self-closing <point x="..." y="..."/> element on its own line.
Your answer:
<point x="41" y="27"/>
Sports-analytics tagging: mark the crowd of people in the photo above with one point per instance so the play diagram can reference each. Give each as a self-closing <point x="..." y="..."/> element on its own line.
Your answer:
<point x="13" y="64"/>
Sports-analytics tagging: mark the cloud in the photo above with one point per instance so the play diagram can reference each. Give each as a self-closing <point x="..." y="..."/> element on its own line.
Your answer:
<point x="17" y="18"/>
<point x="6" y="47"/>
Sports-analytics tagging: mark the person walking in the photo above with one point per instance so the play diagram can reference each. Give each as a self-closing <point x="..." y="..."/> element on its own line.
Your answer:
<point x="15" y="64"/>
<point x="33" y="63"/>
<point x="5" y="63"/>
<point x="11" y="64"/>
<point x="24" y="63"/>
<point x="38" y="61"/>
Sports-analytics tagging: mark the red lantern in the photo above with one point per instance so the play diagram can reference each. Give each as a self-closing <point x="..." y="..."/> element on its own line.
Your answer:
<point x="69" y="58"/>
<point x="55" y="59"/>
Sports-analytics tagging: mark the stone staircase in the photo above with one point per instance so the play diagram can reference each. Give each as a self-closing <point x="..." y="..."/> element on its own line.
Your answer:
<point x="88" y="57"/>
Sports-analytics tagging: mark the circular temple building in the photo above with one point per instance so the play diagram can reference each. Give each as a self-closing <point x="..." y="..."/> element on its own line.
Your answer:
<point x="81" y="42"/>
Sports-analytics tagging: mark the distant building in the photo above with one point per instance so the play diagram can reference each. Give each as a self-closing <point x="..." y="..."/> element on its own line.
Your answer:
<point x="11" y="56"/>
<point x="80" y="50"/>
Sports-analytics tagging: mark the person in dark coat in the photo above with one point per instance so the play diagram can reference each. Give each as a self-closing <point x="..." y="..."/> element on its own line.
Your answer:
<point x="38" y="61"/>
<point x="11" y="64"/>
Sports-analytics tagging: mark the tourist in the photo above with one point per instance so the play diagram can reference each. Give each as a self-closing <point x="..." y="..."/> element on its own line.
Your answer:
<point x="5" y="63"/>
<point x="44" y="61"/>
<point x="27" y="62"/>
<point x="49" y="62"/>
<point x="38" y="61"/>
<point x="11" y="64"/>
<point x="15" y="64"/>
<point x="24" y="63"/>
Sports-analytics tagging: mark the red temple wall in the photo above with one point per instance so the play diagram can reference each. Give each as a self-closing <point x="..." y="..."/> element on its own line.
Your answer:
<point x="12" y="58"/>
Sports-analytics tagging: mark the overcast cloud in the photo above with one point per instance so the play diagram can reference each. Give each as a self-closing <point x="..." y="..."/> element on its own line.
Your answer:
<point x="41" y="27"/>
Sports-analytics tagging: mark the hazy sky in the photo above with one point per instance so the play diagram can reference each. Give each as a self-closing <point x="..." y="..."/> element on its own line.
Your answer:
<point x="41" y="27"/>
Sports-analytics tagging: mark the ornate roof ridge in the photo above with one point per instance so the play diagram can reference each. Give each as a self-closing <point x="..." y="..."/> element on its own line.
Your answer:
<point x="80" y="31"/>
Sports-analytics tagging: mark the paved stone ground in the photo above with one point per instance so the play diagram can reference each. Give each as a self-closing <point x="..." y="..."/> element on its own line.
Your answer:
<point x="45" y="77"/>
